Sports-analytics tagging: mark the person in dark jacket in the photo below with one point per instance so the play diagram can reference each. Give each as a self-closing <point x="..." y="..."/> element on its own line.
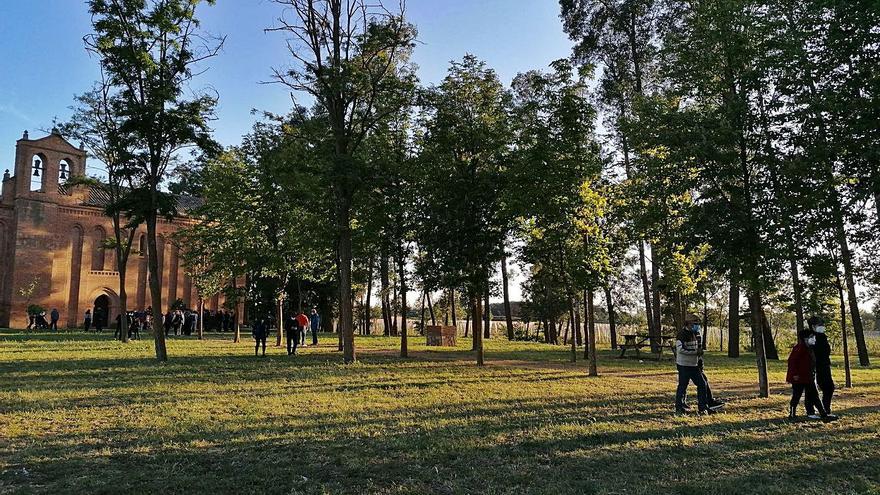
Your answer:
<point x="711" y="400"/>
<point x="117" y="334"/>
<point x="54" y="318"/>
<point x="822" y="352"/>
<point x="87" y="320"/>
<point x="801" y="376"/>
<point x="99" y="318"/>
<point x="315" y="322"/>
<point x="260" y="331"/>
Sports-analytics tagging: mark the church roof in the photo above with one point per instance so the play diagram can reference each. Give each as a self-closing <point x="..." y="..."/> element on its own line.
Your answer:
<point x="98" y="197"/>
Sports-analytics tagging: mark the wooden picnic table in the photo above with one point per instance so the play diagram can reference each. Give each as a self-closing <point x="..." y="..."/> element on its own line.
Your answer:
<point x="637" y="341"/>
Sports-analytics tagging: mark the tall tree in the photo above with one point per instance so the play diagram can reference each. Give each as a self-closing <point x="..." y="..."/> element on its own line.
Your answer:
<point x="464" y="141"/>
<point x="149" y="50"/>
<point x="621" y="37"/>
<point x="96" y="123"/>
<point x="351" y="57"/>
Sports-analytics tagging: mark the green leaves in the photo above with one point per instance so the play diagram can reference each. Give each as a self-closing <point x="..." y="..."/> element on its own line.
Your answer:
<point x="464" y="145"/>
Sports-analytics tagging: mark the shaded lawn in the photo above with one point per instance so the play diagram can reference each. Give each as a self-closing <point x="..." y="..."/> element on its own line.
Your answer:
<point x="84" y="414"/>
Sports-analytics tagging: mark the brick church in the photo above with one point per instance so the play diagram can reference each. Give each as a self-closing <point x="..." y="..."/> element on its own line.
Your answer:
<point x="51" y="236"/>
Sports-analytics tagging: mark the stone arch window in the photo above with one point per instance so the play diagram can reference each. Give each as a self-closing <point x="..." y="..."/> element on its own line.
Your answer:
<point x="98" y="258"/>
<point x="38" y="173"/>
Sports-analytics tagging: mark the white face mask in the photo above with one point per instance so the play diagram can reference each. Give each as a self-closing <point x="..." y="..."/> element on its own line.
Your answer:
<point x="811" y="341"/>
<point x="820" y="329"/>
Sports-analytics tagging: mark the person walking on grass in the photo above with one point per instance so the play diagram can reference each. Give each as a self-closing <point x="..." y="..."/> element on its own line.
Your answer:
<point x="87" y="320"/>
<point x="99" y="319"/>
<point x="291" y="327"/>
<point x="687" y="357"/>
<point x="302" y="322"/>
<point x="822" y="352"/>
<point x="801" y="376"/>
<point x="711" y="400"/>
<point x="315" y="322"/>
<point x="260" y="331"/>
<point x="54" y="318"/>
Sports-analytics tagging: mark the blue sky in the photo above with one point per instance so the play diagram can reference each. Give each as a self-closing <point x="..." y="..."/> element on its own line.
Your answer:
<point x="44" y="63"/>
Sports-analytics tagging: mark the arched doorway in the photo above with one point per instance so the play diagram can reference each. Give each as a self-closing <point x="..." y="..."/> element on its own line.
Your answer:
<point x="101" y="311"/>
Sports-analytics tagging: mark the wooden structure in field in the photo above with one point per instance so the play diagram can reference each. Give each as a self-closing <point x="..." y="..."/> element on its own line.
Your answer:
<point x="440" y="335"/>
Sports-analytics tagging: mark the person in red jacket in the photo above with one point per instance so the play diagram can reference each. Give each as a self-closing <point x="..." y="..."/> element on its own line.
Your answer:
<point x="802" y="377"/>
<point x="302" y="322"/>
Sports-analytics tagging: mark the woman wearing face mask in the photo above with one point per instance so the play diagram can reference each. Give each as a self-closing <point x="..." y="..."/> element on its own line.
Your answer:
<point x="822" y="351"/>
<point x="801" y="376"/>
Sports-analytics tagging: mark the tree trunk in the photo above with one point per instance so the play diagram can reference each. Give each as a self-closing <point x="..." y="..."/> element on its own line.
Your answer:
<point x="422" y="322"/>
<point x="344" y="249"/>
<point x="796" y="287"/>
<point x="369" y="309"/>
<point x="843" y="337"/>
<point x="487" y="315"/>
<point x="478" y="336"/>
<point x="468" y="313"/>
<point x="705" y="321"/>
<point x="720" y="330"/>
<point x="612" y="317"/>
<point x="733" y="316"/>
<point x="404" y="349"/>
<point x="236" y="315"/>
<point x="394" y="309"/>
<point x="565" y="334"/>
<point x="280" y="322"/>
<point x="454" y="317"/>
<point x="383" y="280"/>
<point x="655" y="300"/>
<point x="591" y="333"/>
<point x="430" y="310"/>
<point x="201" y="328"/>
<point x="155" y="286"/>
<point x="769" y="342"/>
<point x="646" y="289"/>
<point x="574" y="326"/>
<point x="123" y="303"/>
<point x="846" y="257"/>
<point x="508" y="315"/>
<point x="758" y="336"/>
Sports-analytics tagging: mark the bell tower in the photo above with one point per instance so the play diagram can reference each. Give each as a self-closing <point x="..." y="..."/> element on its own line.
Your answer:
<point x="41" y="165"/>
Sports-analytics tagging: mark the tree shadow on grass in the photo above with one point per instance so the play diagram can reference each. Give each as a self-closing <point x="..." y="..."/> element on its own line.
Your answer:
<point x="508" y="447"/>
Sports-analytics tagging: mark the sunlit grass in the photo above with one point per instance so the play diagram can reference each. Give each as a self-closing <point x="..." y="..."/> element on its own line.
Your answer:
<point x="85" y="414"/>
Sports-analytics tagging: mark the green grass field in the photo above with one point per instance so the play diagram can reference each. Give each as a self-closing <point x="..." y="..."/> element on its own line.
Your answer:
<point x="85" y="414"/>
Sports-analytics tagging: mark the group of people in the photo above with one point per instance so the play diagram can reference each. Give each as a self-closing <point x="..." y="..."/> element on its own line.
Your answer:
<point x="181" y="322"/>
<point x="135" y="322"/>
<point x="218" y="321"/>
<point x="295" y="326"/>
<point x="809" y="364"/>
<point x="97" y="319"/>
<point x="809" y="370"/>
<point x="37" y="320"/>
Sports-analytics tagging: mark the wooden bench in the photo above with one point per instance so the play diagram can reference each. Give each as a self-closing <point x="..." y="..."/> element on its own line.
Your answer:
<point x="637" y="341"/>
